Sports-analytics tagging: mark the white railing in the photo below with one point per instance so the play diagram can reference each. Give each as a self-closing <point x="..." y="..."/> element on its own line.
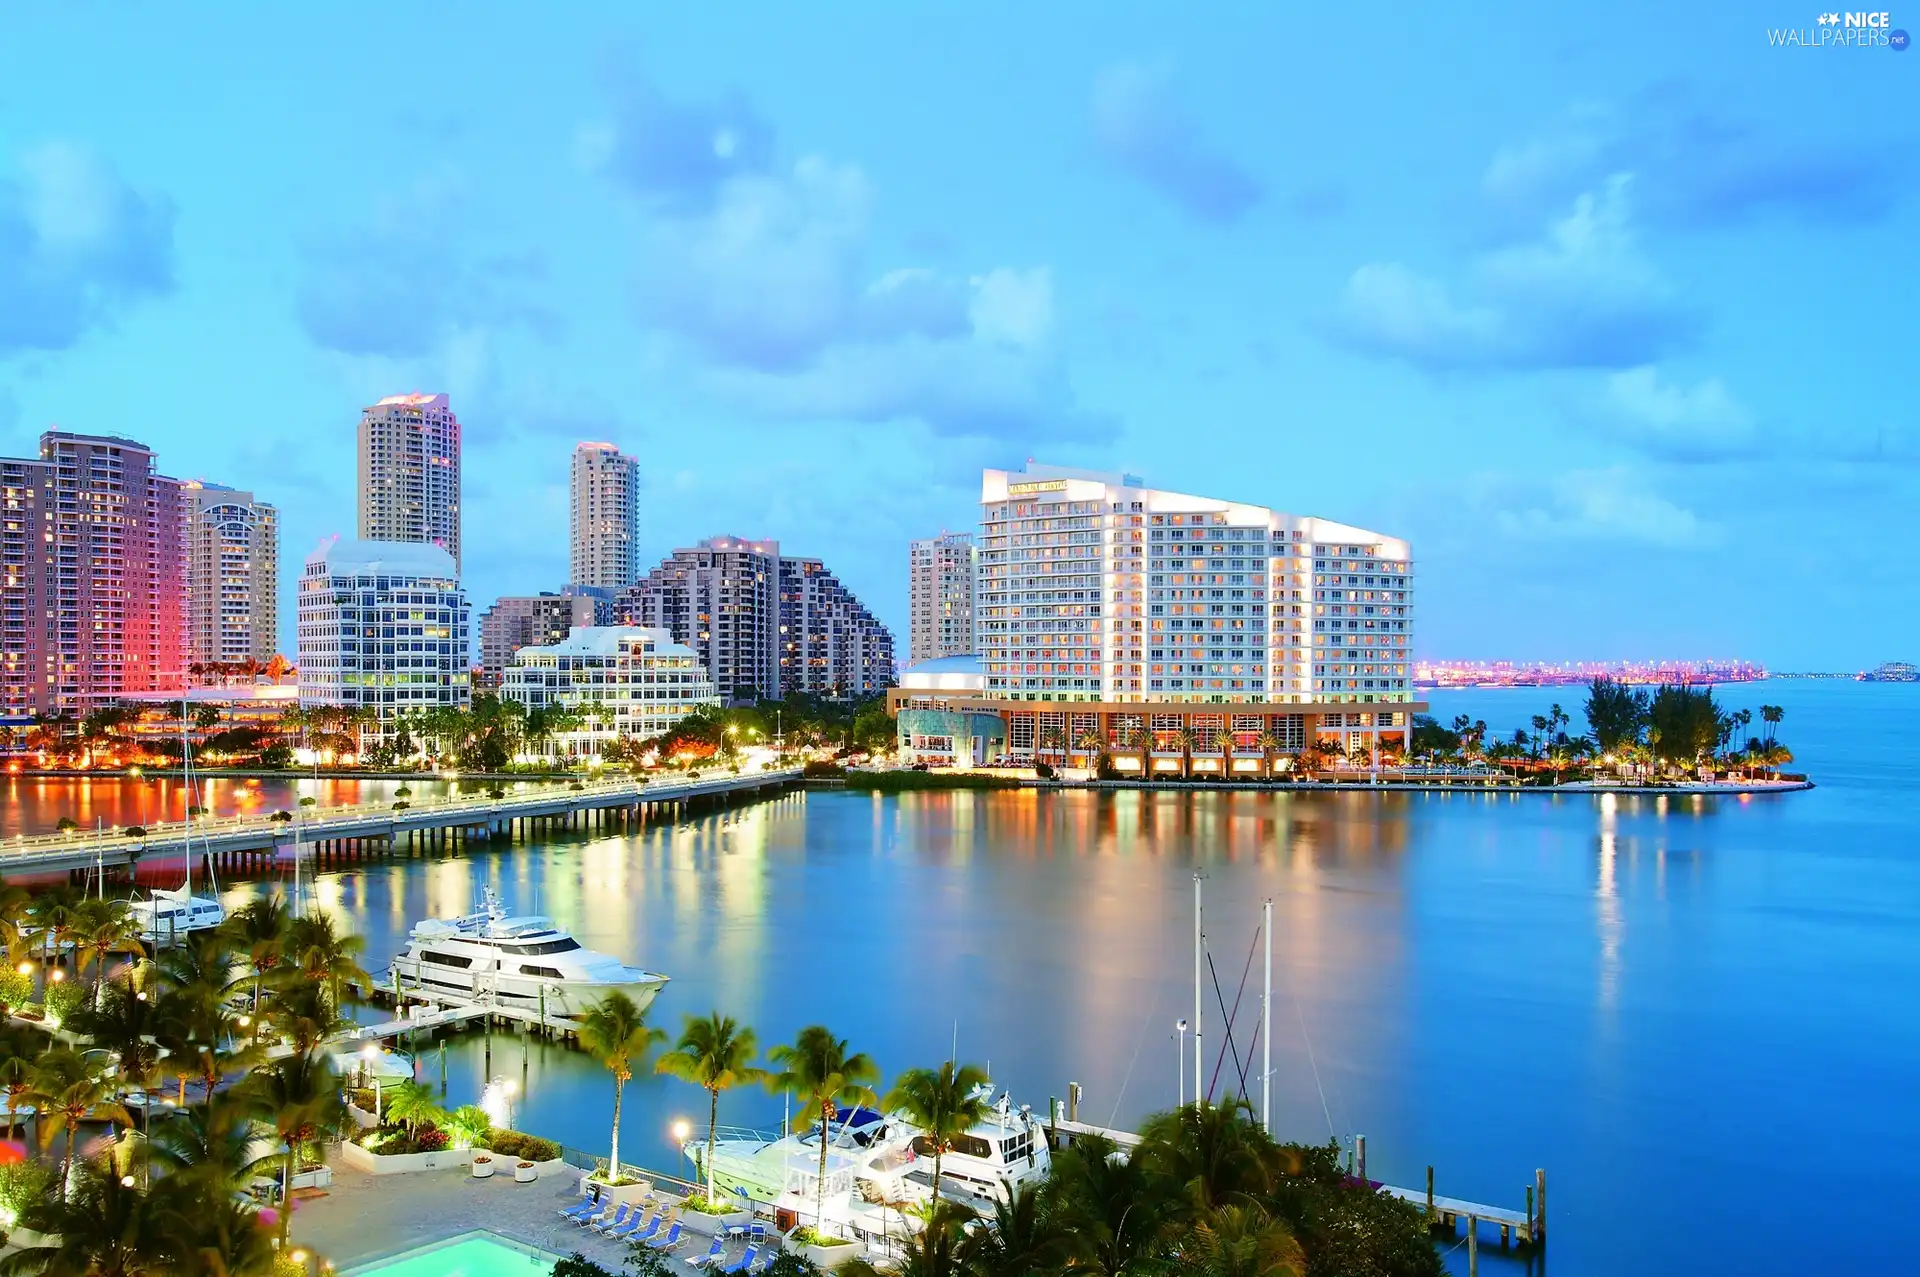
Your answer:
<point x="319" y="819"/>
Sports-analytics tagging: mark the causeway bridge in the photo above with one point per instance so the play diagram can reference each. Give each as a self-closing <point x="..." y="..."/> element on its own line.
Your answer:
<point x="364" y="829"/>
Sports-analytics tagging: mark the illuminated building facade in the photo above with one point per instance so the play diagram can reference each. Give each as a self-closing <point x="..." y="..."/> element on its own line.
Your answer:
<point x="382" y="625"/>
<point x="233" y="568"/>
<point x="532" y="620"/>
<point x="940" y="597"/>
<point x="604" y="518"/>
<point x="1110" y="612"/>
<point x="92" y="589"/>
<point x="628" y="681"/>
<point x="409" y="472"/>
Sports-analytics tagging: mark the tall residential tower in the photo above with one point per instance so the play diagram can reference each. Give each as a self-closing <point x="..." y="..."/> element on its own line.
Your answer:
<point x="940" y="597"/>
<point x="410" y="472"/>
<point x="605" y="518"/>
<point x="233" y="569"/>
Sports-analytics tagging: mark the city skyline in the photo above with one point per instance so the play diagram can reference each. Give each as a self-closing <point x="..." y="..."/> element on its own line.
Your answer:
<point x="1580" y="340"/>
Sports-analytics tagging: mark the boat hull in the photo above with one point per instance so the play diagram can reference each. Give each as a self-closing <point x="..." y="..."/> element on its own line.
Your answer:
<point x="558" y="999"/>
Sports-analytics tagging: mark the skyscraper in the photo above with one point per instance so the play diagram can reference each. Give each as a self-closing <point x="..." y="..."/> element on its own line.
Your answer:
<point x="233" y="568"/>
<point x="1177" y="633"/>
<point x="762" y="622"/>
<point x="91" y="576"/>
<point x="410" y="472"/>
<point x="722" y="599"/>
<point x="940" y="597"/>
<point x="605" y="518"/>
<point x="830" y="644"/>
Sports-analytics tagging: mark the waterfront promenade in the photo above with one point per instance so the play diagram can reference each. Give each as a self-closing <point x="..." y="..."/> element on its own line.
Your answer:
<point x="242" y="840"/>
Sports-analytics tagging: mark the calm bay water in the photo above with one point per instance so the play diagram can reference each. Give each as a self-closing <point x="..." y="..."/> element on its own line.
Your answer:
<point x="1695" y="1013"/>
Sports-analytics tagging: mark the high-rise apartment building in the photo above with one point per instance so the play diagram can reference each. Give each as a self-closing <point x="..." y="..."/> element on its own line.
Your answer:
<point x="232" y="575"/>
<point x="604" y="509"/>
<point x="409" y="472"/>
<point x="940" y="597"/>
<point x="1110" y="614"/>
<point x="382" y="625"/>
<point x="638" y="683"/>
<point x="531" y="620"/>
<point x="762" y="622"/>
<point x="91" y="586"/>
<point x="830" y="644"/>
<point x="722" y="599"/>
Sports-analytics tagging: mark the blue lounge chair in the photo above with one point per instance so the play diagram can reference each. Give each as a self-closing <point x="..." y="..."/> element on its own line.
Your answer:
<point x="743" y="1263"/>
<point x="668" y="1242"/>
<point x="636" y="1222"/>
<point x="619" y="1217"/>
<point x="582" y="1208"/>
<point x="647" y="1233"/>
<point x="715" y="1253"/>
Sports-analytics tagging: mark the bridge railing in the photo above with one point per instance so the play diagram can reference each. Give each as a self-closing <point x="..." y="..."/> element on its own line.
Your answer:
<point x="319" y="818"/>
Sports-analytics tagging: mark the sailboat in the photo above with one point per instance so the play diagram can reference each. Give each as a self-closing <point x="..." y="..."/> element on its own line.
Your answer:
<point x="167" y="915"/>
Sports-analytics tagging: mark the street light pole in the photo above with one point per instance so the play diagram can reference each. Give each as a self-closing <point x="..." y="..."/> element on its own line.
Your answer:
<point x="1180" y="1055"/>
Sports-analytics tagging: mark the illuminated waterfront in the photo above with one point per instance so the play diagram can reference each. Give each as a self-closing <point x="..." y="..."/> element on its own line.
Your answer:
<point x="1651" y="998"/>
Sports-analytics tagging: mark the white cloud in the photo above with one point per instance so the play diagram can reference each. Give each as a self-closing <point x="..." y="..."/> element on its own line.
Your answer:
<point x="1679" y="422"/>
<point x="1013" y="307"/>
<point x="1582" y="295"/>
<point x="1614" y="504"/>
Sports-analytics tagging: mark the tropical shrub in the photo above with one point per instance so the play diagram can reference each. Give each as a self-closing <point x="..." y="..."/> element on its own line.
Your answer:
<point x="519" y="1144"/>
<point x="64" y="998"/>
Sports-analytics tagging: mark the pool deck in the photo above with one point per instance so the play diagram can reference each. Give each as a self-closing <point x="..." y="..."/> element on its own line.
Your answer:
<point x="363" y="1218"/>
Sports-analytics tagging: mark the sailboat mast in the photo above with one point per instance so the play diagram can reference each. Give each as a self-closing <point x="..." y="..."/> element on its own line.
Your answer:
<point x="1199" y="947"/>
<point x="186" y="779"/>
<point x="1266" y="1024"/>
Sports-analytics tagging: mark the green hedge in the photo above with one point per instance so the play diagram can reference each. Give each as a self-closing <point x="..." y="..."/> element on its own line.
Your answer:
<point x="529" y="1148"/>
<point x="64" y="998"/>
<point x="901" y="782"/>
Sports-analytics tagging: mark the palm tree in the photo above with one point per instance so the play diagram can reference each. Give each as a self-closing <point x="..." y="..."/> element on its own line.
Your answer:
<point x="16" y="911"/>
<point x="1771" y="716"/>
<point x="18" y="1047"/>
<point x="259" y="930"/>
<point x="1245" y="1241"/>
<point x="411" y="1104"/>
<point x="1269" y="743"/>
<point x="1112" y="1220"/>
<point x="716" y="1054"/>
<point x="1020" y="1242"/>
<point x="221" y="1237"/>
<point x="945" y="1103"/>
<point x="302" y="1014"/>
<point x="125" y="1025"/>
<point x="52" y="915"/>
<point x="1214" y="1154"/>
<point x="931" y="1252"/>
<point x="299" y="1095"/>
<point x="1185" y="739"/>
<point x="209" y="1145"/>
<point x="323" y="957"/>
<point x="101" y="928"/>
<point x="818" y="1070"/>
<point x="108" y="1227"/>
<point x="614" y="1032"/>
<point x="68" y="1087"/>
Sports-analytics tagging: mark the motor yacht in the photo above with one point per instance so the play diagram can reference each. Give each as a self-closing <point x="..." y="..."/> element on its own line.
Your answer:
<point x="491" y="958"/>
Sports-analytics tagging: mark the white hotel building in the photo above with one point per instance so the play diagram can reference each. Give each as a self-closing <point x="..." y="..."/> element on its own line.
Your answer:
<point x="382" y="625"/>
<point x="1109" y="611"/>
<point x="628" y="680"/>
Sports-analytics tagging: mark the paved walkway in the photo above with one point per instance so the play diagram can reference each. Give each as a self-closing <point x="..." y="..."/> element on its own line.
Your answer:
<point x="366" y="1217"/>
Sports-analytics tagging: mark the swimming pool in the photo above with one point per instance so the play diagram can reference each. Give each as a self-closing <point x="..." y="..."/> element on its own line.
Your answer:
<point x="469" y="1255"/>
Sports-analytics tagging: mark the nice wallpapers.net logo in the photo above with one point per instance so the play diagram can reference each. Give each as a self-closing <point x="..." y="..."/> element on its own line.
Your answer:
<point x="1835" y="30"/>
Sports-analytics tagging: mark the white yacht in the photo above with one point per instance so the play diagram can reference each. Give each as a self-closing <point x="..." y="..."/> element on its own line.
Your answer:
<point x="524" y="963"/>
<point x="166" y="916"/>
<point x="877" y="1164"/>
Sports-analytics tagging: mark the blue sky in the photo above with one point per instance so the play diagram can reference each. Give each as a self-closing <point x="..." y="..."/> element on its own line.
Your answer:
<point x="1610" y="311"/>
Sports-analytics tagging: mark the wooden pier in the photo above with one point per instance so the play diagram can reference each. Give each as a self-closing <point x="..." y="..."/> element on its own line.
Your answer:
<point x="337" y="834"/>
<point x="1528" y="1227"/>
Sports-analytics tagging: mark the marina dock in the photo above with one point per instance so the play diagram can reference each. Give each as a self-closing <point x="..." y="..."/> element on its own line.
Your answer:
<point x="374" y="829"/>
<point x="1528" y="1227"/>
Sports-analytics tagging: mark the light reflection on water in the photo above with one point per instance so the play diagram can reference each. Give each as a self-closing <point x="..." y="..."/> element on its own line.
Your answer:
<point x="1657" y="1000"/>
